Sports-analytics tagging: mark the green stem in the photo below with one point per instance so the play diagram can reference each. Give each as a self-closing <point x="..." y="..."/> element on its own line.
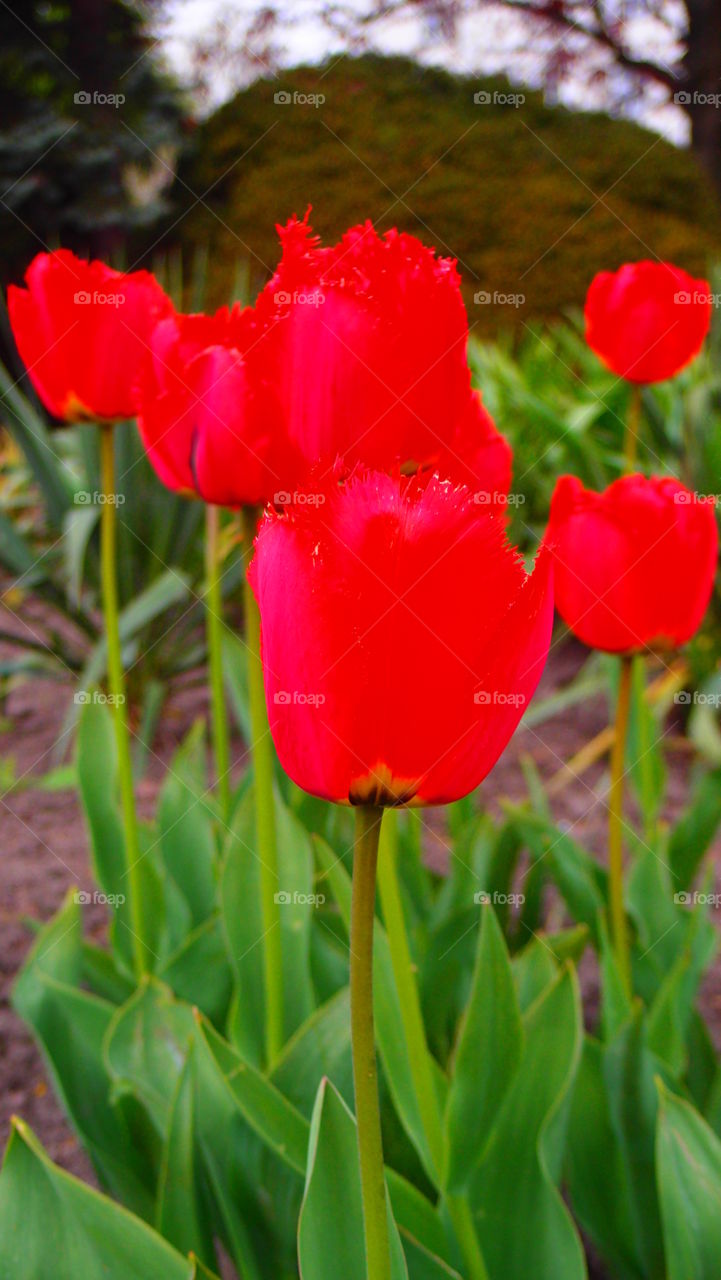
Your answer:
<point x="214" y="626"/>
<point x="404" y="972"/>
<point x="365" y="1078"/>
<point x="267" y="850"/>
<point x="116" y="682"/>
<point x="633" y="427"/>
<point x="619" y="930"/>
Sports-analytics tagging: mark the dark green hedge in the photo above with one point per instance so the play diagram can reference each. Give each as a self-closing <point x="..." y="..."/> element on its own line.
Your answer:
<point x="531" y="199"/>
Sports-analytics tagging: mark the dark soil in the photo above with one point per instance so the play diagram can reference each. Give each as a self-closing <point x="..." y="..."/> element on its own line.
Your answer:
<point x="45" y="849"/>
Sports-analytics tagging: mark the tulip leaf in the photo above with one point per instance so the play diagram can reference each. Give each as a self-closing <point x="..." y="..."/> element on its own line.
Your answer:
<point x="54" y="1227"/>
<point x="514" y="1191"/>
<point x="244" y="929"/>
<point x="330" y="1228"/>
<point x="69" y="1025"/>
<point x="534" y="969"/>
<point x="487" y="1057"/>
<point x="145" y="1046"/>
<point x="181" y="1215"/>
<point x="185" y="829"/>
<point x="198" y="971"/>
<point x="596" y="1171"/>
<point x="98" y="782"/>
<point x="579" y="879"/>
<point x="263" y="1106"/>
<point x="644" y="758"/>
<point x="29" y="431"/>
<point x="688" y="1157"/>
<point x="629" y="1071"/>
<point x="321" y="1047"/>
<point x="695" y="830"/>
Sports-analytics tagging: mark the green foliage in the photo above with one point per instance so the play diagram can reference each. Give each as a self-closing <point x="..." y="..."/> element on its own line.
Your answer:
<point x="187" y="1129"/>
<point x="528" y="198"/>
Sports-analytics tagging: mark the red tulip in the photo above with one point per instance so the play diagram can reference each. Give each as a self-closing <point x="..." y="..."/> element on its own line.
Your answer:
<point x="635" y="564"/>
<point x="352" y="353"/>
<point x="82" y="330"/>
<point x="365" y="343"/>
<point x="208" y="424"/>
<point x="401" y="637"/>
<point x="647" y="320"/>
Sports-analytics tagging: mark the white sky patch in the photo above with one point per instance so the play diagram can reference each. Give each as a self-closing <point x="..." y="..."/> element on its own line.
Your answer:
<point x="493" y="42"/>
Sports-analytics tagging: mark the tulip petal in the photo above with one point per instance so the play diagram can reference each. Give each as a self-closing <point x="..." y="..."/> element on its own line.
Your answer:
<point x="387" y="606"/>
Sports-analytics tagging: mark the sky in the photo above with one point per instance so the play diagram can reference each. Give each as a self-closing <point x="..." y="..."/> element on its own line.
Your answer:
<point x="496" y="42"/>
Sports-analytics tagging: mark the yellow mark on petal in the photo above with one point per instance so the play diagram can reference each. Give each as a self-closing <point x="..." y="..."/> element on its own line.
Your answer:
<point x="379" y="787"/>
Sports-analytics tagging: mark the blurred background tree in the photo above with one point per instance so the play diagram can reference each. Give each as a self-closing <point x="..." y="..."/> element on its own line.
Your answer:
<point x="91" y="126"/>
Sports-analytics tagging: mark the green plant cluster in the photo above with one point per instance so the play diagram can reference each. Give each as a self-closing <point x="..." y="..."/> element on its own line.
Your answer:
<point x="210" y="1152"/>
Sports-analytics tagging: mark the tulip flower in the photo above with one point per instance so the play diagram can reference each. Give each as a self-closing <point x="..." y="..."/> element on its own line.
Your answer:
<point x="401" y="637"/>
<point x="82" y="330"/>
<point x="366" y="343"/>
<point x="402" y="641"/>
<point x="634" y="564"/>
<point x="647" y="320"/>
<point x="209" y="423"/>
<point x="634" y="569"/>
<point x="354" y="353"/>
